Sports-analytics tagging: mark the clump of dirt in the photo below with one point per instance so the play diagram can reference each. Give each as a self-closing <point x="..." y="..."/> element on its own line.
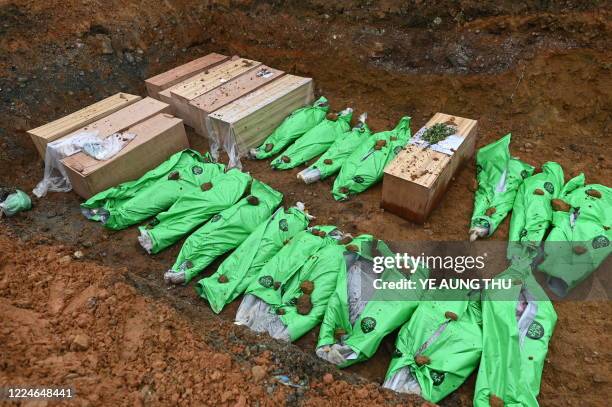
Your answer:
<point x="307" y="287"/>
<point x="304" y="304"/>
<point x="560" y="205"/>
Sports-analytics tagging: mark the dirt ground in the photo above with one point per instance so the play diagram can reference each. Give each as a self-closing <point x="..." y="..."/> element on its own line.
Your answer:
<point x="108" y="326"/>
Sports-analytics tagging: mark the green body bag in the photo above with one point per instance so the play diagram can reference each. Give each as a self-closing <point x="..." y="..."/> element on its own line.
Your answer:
<point x="499" y="177"/>
<point x="331" y="161"/>
<point x="293" y="127"/>
<point x="135" y="201"/>
<point x="532" y="212"/>
<point x="193" y="209"/>
<point x="223" y="232"/>
<point x="13" y="201"/>
<point x="358" y="316"/>
<point x="517" y="325"/>
<point x="271" y="301"/>
<point x="314" y="142"/>
<point x="238" y="271"/>
<point x="580" y="238"/>
<point x="437" y="350"/>
<point x="366" y="165"/>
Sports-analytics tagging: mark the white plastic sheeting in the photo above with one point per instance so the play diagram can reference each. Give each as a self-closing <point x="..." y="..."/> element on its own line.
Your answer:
<point x="360" y="286"/>
<point x="55" y="178"/>
<point x="259" y="317"/>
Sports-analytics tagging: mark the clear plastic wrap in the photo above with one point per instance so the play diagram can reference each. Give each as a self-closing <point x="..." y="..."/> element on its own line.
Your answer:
<point x="55" y="178"/>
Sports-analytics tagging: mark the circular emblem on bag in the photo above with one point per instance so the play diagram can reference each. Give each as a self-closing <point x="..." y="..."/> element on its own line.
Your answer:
<point x="368" y="324"/>
<point x="600" y="241"/>
<point x="215" y="218"/>
<point x="358" y="179"/>
<point x="197" y="170"/>
<point x="523" y="233"/>
<point x="283" y="225"/>
<point x="397" y="149"/>
<point x="548" y="186"/>
<point x="535" y="331"/>
<point x="436" y="377"/>
<point x="266" y="281"/>
<point x="482" y="223"/>
<point x="397" y="353"/>
<point x="524" y="174"/>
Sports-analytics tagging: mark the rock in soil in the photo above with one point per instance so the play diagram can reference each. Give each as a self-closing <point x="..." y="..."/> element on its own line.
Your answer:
<point x="259" y="373"/>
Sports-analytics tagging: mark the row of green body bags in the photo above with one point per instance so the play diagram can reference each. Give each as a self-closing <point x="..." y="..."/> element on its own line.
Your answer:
<point x="157" y="190"/>
<point x="358" y="315"/>
<point x="223" y="232"/>
<point x="518" y="322"/>
<point x="331" y="161"/>
<point x="314" y="142"/>
<point x="193" y="209"/>
<point x="289" y="295"/>
<point x="293" y="127"/>
<point x="506" y="330"/>
<point x="241" y="267"/>
<point x="366" y="164"/>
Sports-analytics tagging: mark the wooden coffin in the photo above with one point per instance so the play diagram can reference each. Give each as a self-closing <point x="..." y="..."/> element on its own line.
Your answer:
<point x="157" y="138"/>
<point x="183" y="93"/>
<point x="43" y="135"/>
<point x="250" y="119"/>
<point x="225" y="94"/>
<point x="170" y="78"/>
<point x="126" y="117"/>
<point x="415" y="181"/>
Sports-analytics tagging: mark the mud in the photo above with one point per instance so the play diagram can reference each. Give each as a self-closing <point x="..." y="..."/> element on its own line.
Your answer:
<point x="538" y="69"/>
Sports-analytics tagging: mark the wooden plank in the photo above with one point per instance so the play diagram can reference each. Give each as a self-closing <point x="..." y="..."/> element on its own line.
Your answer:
<point x="253" y="117"/>
<point x="223" y="95"/>
<point x="156" y="139"/>
<point x="180" y="73"/>
<point x="415" y="181"/>
<point x="127" y="117"/>
<point x="166" y="97"/>
<point x="43" y="135"/>
<point x="183" y="93"/>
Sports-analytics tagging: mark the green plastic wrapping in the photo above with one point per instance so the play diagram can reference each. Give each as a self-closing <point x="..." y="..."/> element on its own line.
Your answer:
<point x="331" y="161"/>
<point x="224" y="232"/>
<point x="309" y="259"/>
<point x="15" y="201"/>
<point x="366" y="165"/>
<point x="437" y="350"/>
<point x="580" y="238"/>
<point x="358" y="335"/>
<point x="517" y="326"/>
<point x="244" y="264"/>
<point x="499" y="177"/>
<point x="193" y="209"/>
<point x="293" y="127"/>
<point x="314" y="142"/>
<point x="135" y="201"/>
<point x="532" y="212"/>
